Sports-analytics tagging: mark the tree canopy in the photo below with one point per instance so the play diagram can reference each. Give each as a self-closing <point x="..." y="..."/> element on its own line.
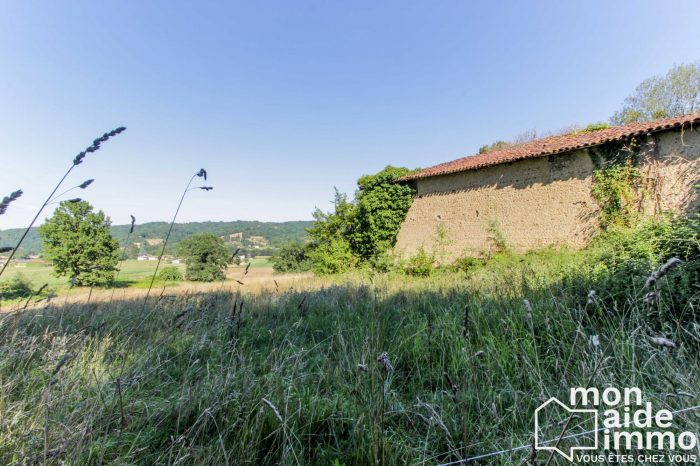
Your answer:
<point x="206" y="257"/>
<point x="674" y="94"/>
<point x="79" y="243"/>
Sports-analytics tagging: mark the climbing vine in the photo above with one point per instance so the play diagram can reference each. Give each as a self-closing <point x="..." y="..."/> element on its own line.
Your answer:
<point x="618" y="183"/>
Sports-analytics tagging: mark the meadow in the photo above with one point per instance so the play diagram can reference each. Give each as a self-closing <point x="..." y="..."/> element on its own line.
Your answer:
<point x="354" y="369"/>
<point x="132" y="274"/>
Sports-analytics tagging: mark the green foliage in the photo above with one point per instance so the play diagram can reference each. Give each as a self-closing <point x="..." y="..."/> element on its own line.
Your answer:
<point x="332" y="257"/>
<point x="615" y="191"/>
<point x="360" y="231"/>
<point x="592" y="127"/>
<point x="420" y="265"/>
<point x="79" y="243"/>
<point x="497" y="238"/>
<point x="293" y="257"/>
<point x="677" y="93"/>
<point x="16" y="287"/>
<point x="498" y="145"/>
<point x="206" y="257"/>
<point x="618" y="263"/>
<point x="380" y="208"/>
<point x="467" y="264"/>
<point x="169" y="274"/>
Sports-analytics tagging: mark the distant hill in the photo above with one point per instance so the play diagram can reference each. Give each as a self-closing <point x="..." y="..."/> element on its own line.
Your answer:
<point x="277" y="233"/>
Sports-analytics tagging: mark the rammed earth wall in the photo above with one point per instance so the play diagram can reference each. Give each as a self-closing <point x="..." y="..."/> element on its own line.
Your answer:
<point x="540" y="202"/>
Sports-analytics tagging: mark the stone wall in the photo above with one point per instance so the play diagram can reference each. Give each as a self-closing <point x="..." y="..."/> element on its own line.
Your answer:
<point x="538" y="202"/>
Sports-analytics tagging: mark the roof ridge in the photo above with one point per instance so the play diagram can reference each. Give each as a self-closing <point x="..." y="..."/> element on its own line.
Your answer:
<point x="554" y="144"/>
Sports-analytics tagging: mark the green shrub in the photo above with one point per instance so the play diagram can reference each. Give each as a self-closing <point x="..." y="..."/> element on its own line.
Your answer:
<point x="333" y="256"/>
<point x="170" y="274"/>
<point x="293" y="257"/>
<point x="617" y="264"/>
<point x="15" y="287"/>
<point x="466" y="264"/>
<point x="420" y="265"/>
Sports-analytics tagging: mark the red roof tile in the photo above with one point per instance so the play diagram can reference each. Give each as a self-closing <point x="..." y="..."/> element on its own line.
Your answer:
<point x="553" y="145"/>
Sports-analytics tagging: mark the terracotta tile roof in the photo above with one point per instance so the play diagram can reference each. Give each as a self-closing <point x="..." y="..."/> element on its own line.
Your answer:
<point x="553" y="145"/>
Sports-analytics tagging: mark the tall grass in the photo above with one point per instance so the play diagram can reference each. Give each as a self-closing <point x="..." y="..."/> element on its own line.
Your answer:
<point x="349" y="371"/>
<point x="202" y="173"/>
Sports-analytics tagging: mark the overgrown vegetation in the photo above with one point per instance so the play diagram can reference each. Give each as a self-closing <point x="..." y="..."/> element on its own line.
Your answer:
<point x="293" y="257"/>
<point x="618" y="183"/>
<point x="348" y="370"/>
<point x="169" y="274"/>
<point x="359" y="232"/>
<point x="15" y="287"/>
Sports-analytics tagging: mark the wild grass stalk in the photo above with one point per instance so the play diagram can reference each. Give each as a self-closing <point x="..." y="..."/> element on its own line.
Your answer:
<point x="94" y="147"/>
<point x="202" y="173"/>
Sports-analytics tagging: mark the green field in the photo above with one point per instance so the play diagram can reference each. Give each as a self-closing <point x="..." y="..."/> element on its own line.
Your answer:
<point x="132" y="272"/>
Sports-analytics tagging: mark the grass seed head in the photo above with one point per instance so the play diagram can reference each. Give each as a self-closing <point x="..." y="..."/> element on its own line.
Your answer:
<point x="7" y="200"/>
<point x="661" y="341"/>
<point x="663" y="270"/>
<point x="465" y="322"/>
<point x="86" y="183"/>
<point x="274" y="410"/>
<point x="384" y="359"/>
<point x="528" y="306"/>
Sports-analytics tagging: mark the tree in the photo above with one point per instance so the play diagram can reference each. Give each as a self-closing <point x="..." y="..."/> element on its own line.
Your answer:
<point x="79" y="243"/>
<point x="363" y="229"/>
<point x="330" y="250"/>
<point x="206" y="257"/>
<point x="292" y="257"/>
<point x="381" y="206"/>
<point x="677" y="93"/>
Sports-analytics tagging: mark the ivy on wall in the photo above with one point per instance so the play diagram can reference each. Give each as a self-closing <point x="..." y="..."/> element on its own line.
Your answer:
<point x="618" y="182"/>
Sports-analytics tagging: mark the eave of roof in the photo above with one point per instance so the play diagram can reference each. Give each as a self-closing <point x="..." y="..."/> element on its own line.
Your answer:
<point x="554" y="145"/>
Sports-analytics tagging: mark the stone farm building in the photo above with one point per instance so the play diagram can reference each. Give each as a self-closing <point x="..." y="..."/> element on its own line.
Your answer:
<point x="538" y="194"/>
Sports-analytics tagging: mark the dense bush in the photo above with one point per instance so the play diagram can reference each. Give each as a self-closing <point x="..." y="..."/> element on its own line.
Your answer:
<point x="170" y="274"/>
<point x="358" y="232"/>
<point x="420" y="265"/>
<point x="16" y="287"/>
<point x="617" y="264"/>
<point x="293" y="257"/>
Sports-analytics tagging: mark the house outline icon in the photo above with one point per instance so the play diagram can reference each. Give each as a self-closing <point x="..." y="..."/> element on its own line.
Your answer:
<point x="542" y="444"/>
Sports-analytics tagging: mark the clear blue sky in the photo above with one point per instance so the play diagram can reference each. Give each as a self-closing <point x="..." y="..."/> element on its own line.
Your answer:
<point x="282" y="100"/>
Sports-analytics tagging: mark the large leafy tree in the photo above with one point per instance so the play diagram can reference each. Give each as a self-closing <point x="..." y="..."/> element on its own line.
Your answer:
<point x="676" y="93"/>
<point x="79" y="243"/>
<point x="206" y="257"/>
